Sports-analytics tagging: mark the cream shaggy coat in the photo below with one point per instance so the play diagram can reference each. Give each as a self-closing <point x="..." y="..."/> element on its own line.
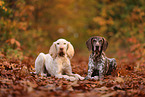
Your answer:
<point x="57" y="61"/>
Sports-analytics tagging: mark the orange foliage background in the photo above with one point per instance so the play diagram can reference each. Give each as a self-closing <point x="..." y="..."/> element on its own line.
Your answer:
<point x="30" y="27"/>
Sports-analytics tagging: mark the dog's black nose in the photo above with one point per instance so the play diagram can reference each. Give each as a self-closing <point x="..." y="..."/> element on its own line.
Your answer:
<point x="61" y="49"/>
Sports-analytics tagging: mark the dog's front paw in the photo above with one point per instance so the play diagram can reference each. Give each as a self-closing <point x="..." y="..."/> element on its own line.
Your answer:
<point x="95" y="78"/>
<point x="81" y="78"/>
<point x="43" y="75"/>
<point x="87" y="77"/>
<point x="78" y="77"/>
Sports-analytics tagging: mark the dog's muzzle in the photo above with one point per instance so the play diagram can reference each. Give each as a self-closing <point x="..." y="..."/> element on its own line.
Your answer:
<point x="61" y="53"/>
<point x="96" y="49"/>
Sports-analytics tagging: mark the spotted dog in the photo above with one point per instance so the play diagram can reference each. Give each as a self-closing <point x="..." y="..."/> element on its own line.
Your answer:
<point x="99" y="65"/>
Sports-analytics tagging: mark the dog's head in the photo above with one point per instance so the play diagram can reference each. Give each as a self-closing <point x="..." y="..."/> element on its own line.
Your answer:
<point x="60" y="48"/>
<point x="97" y="44"/>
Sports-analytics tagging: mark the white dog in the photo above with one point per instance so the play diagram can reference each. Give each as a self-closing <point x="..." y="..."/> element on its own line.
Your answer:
<point x="57" y="62"/>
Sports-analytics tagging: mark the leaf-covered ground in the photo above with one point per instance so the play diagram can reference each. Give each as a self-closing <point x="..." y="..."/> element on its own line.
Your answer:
<point x="17" y="79"/>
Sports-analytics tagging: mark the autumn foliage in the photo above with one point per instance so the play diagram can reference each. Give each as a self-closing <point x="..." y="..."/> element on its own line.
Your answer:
<point x="28" y="27"/>
<point x="17" y="78"/>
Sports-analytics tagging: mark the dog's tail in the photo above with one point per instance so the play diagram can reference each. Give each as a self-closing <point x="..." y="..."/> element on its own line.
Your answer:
<point x="40" y="64"/>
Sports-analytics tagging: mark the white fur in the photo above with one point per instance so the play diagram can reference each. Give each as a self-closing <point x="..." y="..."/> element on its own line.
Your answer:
<point x="56" y="64"/>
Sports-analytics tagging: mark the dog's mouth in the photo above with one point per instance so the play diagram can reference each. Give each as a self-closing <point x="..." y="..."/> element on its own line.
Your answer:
<point x="61" y="54"/>
<point x="97" y="49"/>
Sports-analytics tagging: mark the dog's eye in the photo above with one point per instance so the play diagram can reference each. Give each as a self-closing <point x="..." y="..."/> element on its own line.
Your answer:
<point x="94" y="40"/>
<point x="57" y="43"/>
<point x="100" y="41"/>
<point x="64" y="43"/>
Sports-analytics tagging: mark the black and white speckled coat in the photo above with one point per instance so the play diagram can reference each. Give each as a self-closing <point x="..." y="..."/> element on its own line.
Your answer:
<point x="99" y="65"/>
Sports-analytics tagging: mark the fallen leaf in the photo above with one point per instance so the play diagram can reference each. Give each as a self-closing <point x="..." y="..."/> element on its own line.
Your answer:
<point x="119" y="80"/>
<point x="104" y="88"/>
<point x="110" y="94"/>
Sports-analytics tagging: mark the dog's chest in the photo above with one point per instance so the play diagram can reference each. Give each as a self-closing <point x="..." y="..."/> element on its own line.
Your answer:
<point x="99" y="63"/>
<point x="63" y="62"/>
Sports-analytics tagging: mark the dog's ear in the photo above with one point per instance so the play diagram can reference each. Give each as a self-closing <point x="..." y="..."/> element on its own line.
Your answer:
<point x="105" y="44"/>
<point x="53" y="51"/>
<point x="89" y="43"/>
<point x="70" y="50"/>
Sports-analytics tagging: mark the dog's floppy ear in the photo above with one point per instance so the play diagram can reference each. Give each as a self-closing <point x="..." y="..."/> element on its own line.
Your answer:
<point x="105" y="44"/>
<point x="52" y="50"/>
<point x="89" y="44"/>
<point x="70" y="50"/>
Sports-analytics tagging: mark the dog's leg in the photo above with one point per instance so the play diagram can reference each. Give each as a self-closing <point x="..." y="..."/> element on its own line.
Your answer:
<point x="101" y="71"/>
<point x="77" y="76"/>
<point x="39" y="64"/>
<point x="112" y="65"/>
<point x="58" y="72"/>
<point x="68" y="71"/>
<point x="66" y="77"/>
<point x="90" y="68"/>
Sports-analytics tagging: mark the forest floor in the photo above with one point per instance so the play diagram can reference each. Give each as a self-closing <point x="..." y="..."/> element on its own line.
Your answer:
<point x="17" y="79"/>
